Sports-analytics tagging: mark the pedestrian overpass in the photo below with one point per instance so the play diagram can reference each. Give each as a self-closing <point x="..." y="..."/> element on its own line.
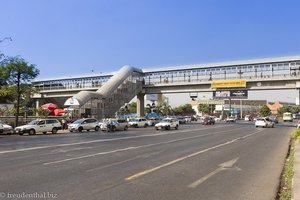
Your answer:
<point x="102" y="95"/>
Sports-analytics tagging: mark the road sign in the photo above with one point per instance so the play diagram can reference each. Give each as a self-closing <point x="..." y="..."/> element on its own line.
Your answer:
<point x="229" y="84"/>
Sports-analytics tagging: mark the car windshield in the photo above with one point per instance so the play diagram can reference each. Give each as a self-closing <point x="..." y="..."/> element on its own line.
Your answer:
<point x="166" y="120"/>
<point x="34" y="122"/>
<point x="260" y="119"/>
<point x="79" y="121"/>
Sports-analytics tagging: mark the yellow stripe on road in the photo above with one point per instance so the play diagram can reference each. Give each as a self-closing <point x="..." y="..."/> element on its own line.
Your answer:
<point x="143" y="173"/>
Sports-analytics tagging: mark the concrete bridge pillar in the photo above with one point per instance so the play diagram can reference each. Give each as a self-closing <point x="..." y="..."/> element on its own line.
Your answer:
<point x="159" y="98"/>
<point x="37" y="105"/>
<point x="140" y="108"/>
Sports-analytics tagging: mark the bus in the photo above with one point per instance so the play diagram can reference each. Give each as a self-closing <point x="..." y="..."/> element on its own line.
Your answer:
<point x="287" y="116"/>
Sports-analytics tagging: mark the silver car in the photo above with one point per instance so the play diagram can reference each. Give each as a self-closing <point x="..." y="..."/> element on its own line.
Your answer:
<point x="113" y="125"/>
<point x="84" y="124"/>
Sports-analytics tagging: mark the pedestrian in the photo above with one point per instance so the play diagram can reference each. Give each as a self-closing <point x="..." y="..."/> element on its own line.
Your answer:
<point x="64" y="123"/>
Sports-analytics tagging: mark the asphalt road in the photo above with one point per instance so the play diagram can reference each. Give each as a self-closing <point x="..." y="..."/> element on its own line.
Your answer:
<point x="224" y="161"/>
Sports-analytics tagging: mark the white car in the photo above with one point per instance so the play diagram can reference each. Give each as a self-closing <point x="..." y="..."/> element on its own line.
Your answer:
<point x="167" y="124"/>
<point x="264" y="122"/>
<point x="138" y="122"/>
<point x="230" y="119"/>
<point x="84" y="124"/>
<point x="188" y="119"/>
<point x="6" y="129"/>
<point x="113" y="125"/>
<point x="39" y="126"/>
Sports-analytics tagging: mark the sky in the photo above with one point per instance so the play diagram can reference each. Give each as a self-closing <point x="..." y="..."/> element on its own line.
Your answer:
<point x="74" y="37"/>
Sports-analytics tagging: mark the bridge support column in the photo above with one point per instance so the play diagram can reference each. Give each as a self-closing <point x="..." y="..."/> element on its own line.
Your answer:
<point x="140" y="105"/>
<point x="159" y="98"/>
<point x="37" y="106"/>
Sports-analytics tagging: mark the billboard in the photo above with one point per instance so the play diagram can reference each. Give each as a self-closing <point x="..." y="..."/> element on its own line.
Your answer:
<point x="152" y="97"/>
<point x="233" y="94"/>
<point x="228" y="83"/>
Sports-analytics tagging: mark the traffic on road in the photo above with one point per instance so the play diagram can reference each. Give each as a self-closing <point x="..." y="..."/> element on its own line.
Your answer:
<point x="141" y="163"/>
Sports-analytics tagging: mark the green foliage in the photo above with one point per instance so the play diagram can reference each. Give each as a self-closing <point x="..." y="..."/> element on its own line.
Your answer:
<point x="43" y="112"/>
<point x="296" y="134"/>
<point x="285" y="192"/>
<point x="7" y="111"/>
<point x="204" y="108"/>
<point x="19" y="74"/>
<point x="292" y="109"/>
<point x="265" y="111"/>
<point x="184" y="110"/>
<point x="283" y="110"/>
<point x="163" y="108"/>
<point x="129" y="108"/>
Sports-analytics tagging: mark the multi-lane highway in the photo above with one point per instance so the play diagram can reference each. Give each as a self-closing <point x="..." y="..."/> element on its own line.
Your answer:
<point x="224" y="161"/>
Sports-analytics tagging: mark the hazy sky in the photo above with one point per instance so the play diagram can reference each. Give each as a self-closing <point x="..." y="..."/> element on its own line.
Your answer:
<point x="72" y="37"/>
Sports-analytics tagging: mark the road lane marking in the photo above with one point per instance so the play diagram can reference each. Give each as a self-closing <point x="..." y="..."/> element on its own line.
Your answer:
<point x="124" y="161"/>
<point x="136" y="147"/>
<point x="148" y="171"/>
<point x="103" y="140"/>
<point x="223" y="166"/>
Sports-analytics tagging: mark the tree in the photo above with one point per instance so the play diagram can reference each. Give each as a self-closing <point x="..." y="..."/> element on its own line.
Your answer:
<point x="20" y="73"/>
<point x="265" y="111"/>
<point x="283" y="109"/>
<point x="204" y="108"/>
<point x="184" y="110"/>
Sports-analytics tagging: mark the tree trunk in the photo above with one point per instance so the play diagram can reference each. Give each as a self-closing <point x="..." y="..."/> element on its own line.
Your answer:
<point x="18" y="100"/>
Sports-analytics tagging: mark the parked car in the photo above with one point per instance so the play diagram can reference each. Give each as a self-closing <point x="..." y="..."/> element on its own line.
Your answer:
<point x="167" y="124"/>
<point x="274" y="119"/>
<point x="39" y="126"/>
<point x="264" y="122"/>
<point x="247" y="118"/>
<point x="153" y="120"/>
<point x="181" y="120"/>
<point x="84" y="124"/>
<point x="138" y="122"/>
<point x="230" y="119"/>
<point x="298" y="125"/>
<point x="296" y="116"/>
<point x="6" y="129"/>
<point x="208" y="121"/>
<point x="113" y="125"/>
<point x="187" y="119"/>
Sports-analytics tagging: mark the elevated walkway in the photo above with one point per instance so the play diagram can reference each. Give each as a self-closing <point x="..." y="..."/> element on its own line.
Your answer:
<point x="113" y="94"/>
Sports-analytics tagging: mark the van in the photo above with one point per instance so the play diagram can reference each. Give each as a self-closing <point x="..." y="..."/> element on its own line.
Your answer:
<point x="287" y="117"/>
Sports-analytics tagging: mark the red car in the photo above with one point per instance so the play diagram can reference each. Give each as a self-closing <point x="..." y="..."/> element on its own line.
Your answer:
<point x="208" y="121"/>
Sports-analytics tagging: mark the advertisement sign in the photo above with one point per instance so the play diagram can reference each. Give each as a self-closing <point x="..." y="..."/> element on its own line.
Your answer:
<point x="234" y="94"/>
<point x="152" y="97"/>
<point x="238" y="94"/>
<point x="221" y="94"/>
<point x="228" y="83"/>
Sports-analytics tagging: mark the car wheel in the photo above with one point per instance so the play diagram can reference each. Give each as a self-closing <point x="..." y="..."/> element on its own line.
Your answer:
<point x="113" y="129"/>
<point x="145" y="125"/>
<point x="97" y="128"/>
<point x="125" y="128"/>
<point x="21" y="133"/>
<point x="54" y="130"/>
<point x="88" y="130"/>
<point x="44" y="132"/>
<point x="80" y="129"/>
<point x="157" y="129"/>
<point x="166" y="128"/>
<point x="176" y="127"/>
<point x="136" y="126"/>
<point x="31" y="132"/>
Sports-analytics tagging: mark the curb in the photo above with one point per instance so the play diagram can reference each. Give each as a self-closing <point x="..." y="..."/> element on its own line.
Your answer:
<point x="296" y="176"/>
